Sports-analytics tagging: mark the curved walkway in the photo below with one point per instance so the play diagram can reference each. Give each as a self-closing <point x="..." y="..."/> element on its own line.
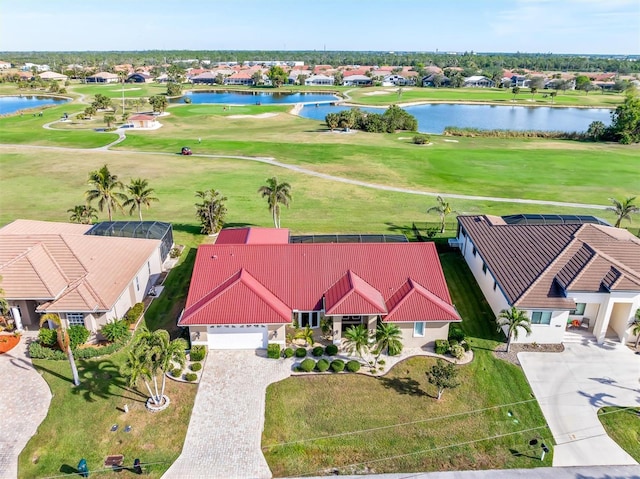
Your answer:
<point x="225" y="431"/>
<point x="25" y="399"/>
<point x="571" y="386"/>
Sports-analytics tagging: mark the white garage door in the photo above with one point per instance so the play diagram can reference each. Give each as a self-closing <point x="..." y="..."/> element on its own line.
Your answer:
<point x="229" y="337"/>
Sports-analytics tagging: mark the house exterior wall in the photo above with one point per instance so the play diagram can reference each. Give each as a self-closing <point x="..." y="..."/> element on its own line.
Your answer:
<point x="433" y="330"/>
<point x="30" y="319"/>
<point x="337" y="329"/>
<point x="552" y="333"/>
<point x="198" y="335"/>
<point x="619" y="321"/>
<point x="600" y="307"/>
<point x="278" y="334"/>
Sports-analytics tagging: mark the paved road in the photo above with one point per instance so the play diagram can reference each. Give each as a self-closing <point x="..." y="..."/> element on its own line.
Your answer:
<point x="571" y="386"/>
<point x="305" y="171"/>
<point x="225" y="431"/>
<point x="25" y="399"/>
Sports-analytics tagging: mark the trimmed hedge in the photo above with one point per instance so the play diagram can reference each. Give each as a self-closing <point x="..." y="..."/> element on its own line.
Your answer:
<point x="337" y="365"/>
<point x="301" y="353"/>
<point x="442" y="346"/>
<point x="331" y="350"/>
<point x="37" y="351"/>
<point x="197" y="353"/>
<point x="322" y="365"/>
<point x="191" y="377"/>
<point x="273" y="351"/>
<point x="288" y="353"/>
<point x="176" y="373"/>
<point x="353" y="366"/>
<point x="317" y="351"/>
<point x="196" y="367"/>
<point x="47" y="337"/>
<point x="307" y="365"/>
<point x="134" y="313"/>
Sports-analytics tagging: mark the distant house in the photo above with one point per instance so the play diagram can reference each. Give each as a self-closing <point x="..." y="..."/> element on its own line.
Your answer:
<point x="102" y="77"/>
<point x="53" y="76"/>
<point x="295" y="74"/>
<point x="4" y="65"/>
<point x="317" y="80"/>
<point x="520" y="81"/>
<point x="139" y="78"/>
<point x="208" y="78"/>
<point x="430" y="80"/>
<point x="253" y="283"/>
<point x="478" y="81"/>
<point x="240" y="78"/>
<point x="357" y="80"/>
<point x="565" y="272"/>
<point x="397" y="80"/>
<point x="143" y="121"/>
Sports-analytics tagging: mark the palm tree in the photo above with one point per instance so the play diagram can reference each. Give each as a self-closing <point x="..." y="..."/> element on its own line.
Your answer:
<point x="389" y="337"/>
<point x="623" y="210"/>
<point x="83" y="214"/>
<point x="514" y="319"/>
<point x="443" y="209"/>
<point x="212" y="211"/>
<point x="139" y="194"/>
<point x="534" y="90"/>
<point x="103" y="188"/>
<point x="63" y="341"/>
<point x="306" y="334"/>
<point x="635" y="323"/>
<point x="357" y="339"/>
<point x="276" y="194"/>
<point x="515" y="90"/>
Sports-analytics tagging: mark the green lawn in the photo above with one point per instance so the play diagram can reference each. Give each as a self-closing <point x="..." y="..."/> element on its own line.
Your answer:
<point x="623" y="426"/>
<point x="416" y="432"/>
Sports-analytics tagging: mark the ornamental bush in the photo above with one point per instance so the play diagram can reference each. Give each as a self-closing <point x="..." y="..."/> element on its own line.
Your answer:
<point x="115" y="330"/>
<point x="288" y="353"/>
<point x="47" y="337"/>
<point x="78" y="335"/>
<point x="38" y="351"/>
<point x="176" y="372"/>
<point x="457" y="351"/>
<point x="442" y="346"/>
<point x="337" y="365"/>
<point x="466" y="346"/>
<point x="301" y="352"/>
<point x="353" y="366"/>
<point x="134" y="313"/>
<point x="322" y="365"/>
<point x="273" y="351"/>
<point x="191" y="377"/>
<point x="317" y="351"/>
<point x="197" y="353"/>
<point x="331" y="350"/>
<point x="307" y="365"/>
<point x="196" y="367"/>
<point x="456" y="333"/>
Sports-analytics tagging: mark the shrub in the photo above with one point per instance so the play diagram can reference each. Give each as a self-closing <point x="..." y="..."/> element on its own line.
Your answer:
<point x="197" y="353"/>
<point x="77" y="335"/>
<point x="453" y="342"/>
<point x="115" y="330"/>
<point x="307" y="365"/>
<point x="466" y="346"/>
<point x="176" y="373"/>
<point x="38" y="351"/>
<point x="191" y="377"/>
<point x="174" y="253"/>
<point x="196" y="367"/>
<point x="322" y="365"/>
<point x="337" y="365"/>
<point x="457" y="334"/>
<point x="382" y="362"/>
<point x="273" y="351"/>
<point x="88" y="353"/>
<point x="457" y="351"/>
<point x="288" y="353"/>
<point x="301" y="352"/>
<point x="134" y="313"/>
<point x="331" y="350"/>
<point x="421" y="139"/>
<point x="47" y="337"/>
<point x="353" y="366"/>
<point x="442" y="346"/>
<point x="317" y="351"/>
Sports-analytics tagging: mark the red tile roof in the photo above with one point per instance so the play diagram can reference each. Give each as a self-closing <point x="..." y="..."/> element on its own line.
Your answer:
<point x="413" y="302"/>
<point x="253" y="236"/>
<point x="302" y="275"/>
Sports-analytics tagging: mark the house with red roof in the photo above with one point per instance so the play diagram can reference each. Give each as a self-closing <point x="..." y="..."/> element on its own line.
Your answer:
<point x="243" y="77"/>
<point x="253" y="283"/>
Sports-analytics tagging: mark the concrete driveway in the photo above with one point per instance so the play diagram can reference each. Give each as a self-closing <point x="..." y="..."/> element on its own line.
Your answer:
<point x="225" y="431"/>
<point x="571" y="386"/>
<point x="25" y="399"/>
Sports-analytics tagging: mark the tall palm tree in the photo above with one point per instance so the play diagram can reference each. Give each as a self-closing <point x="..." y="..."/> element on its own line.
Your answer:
<point x="623" y="209"/>
<point x="443" y="209"/>
<point x="103" y="188"/>
<point x="83" y="214"/>
<point x="389" y="337"/>
<point x="515" y="320"/>
<point x="212" y="211"/>
<point x="357" y="339"/>
<point x="139" y="194"/>
<point x="276" y="194"/>
<point x="63" y="341"/>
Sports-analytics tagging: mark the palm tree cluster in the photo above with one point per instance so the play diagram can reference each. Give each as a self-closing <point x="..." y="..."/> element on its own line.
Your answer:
<point x="358" y="339"/>
<point x="153" y="354"/>
<point x="276" y="194"/>
<point x="211" y="211"/>
<point x="107" y="189"/>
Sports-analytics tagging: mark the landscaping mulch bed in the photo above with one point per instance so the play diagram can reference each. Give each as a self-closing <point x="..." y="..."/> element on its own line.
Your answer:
<point x="8" y="342"/>
<point x="512" y="356"/>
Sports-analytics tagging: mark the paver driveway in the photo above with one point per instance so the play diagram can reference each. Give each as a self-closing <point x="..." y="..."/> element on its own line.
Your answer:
<point x="223" y="440"/>
<point x="25" y="399"/>
<point x="571" y="386"/>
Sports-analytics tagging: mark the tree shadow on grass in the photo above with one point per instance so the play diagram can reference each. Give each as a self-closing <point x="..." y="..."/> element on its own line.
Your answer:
<point x="403" y="386"/>
<point x="102" y="380"/>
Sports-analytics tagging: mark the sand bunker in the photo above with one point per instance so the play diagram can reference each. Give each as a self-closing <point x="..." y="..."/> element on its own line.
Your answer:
<point x="261" y="115"/>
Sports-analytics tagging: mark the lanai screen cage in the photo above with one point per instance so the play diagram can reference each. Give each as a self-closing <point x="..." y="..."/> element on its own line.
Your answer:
<point x="156" y="230"/>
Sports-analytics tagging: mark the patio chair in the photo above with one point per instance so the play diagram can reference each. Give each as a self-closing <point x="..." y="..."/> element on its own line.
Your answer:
<point x="585" y="323"/>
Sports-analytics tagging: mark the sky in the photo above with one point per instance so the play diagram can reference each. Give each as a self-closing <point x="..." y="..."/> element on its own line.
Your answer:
<point x="531" y="26"/>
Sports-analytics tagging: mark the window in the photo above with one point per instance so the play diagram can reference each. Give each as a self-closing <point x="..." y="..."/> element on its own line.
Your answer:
<point x="541" y="317"/>
<point x="579" y="311"/>
<point x="137" y="284"/>
<point x="475" y="251"/>
<point x="484" y="268"/>
<point x="75" y="319"/>
<point x="418" y="329"/>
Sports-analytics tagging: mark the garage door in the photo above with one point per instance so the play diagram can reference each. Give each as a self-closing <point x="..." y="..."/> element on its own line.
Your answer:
<point x="236" y="337"/>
